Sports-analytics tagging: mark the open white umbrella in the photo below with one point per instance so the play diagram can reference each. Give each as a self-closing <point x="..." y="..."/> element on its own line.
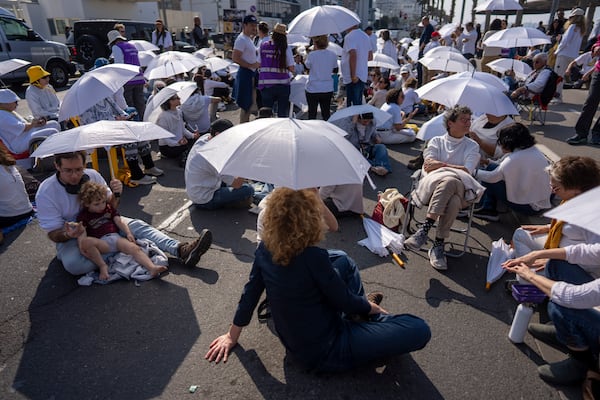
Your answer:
<point x="447" y="29"/>
<point x="502" y="65"/>
<point x="499" y="5"/>
<point x="182" y="89"/>
<point x="144" y="45"/>
<point x="413" y="52"/>
<point x="216" y="63"/>
<point x="581" y="210"/>
<point x="145" y="56"/>
<point x="380" y="237"/>
<point x="323" y="20"/>
<point x="295" y="40"/>
<point x="298" y="91"/>
<point x="171" y="63"/>
<point x="483" y="76"/>
<point x="12" y="65"/>
<point x="437" y="51"/>
<point x="479" y="96"/>
<point x="287" y="152"/>
<point x="383" y="61"/>
<point x="205" y="53"/>
<point x="447" y="61"/>
<point x="379" y="115"/>
<point x="517" y="37"/>
<point x="94" y="86"/>
<point x="406" y="40"/>
<point x="432" y="128"/>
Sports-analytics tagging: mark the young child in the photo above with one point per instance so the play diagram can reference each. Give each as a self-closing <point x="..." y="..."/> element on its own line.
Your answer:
<point x="102" y="224"/>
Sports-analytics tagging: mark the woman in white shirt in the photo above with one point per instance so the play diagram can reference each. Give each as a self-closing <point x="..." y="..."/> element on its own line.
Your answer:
<point x="381" y="90"/>
<point x="171" y="119"/>
<point x="321" y="63"/>
<point x="196" y="109"/>
<point x="570" y="43"/>
<point x="394" y="131"/>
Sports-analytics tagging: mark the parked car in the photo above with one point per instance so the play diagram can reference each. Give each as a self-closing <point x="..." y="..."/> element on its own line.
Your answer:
<point x="17" y="40"/>
<point x="178" y="45"/>
<point x="91" y="41"/>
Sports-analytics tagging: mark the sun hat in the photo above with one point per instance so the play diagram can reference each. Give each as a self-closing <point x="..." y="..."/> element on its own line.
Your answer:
<point x="575" y="12"/>
<point x="36" y="73"/>
<point x="280" y="28"/>
<point x="8" y="96"/>
<point x="114" y="35"/>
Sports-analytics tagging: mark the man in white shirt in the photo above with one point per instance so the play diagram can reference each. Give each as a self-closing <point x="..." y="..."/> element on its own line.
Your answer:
<point x="469" y="40"/>
<point x="357" y="52"/>
<point x="372" y="38"/>
<point x="536" y="80"/>
<point x="245" y="55"/>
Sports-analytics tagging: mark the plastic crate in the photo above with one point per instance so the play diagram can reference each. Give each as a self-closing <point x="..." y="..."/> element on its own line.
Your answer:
<point x="528" y="294"/>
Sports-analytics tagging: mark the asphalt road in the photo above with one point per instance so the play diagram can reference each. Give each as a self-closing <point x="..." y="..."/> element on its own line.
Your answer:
<point x="121" y="341"/>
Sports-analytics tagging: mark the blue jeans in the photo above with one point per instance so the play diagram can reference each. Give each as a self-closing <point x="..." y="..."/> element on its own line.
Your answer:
<point x="577" y="328"/>
<point x="277" y="94"/>
<point x="385" y="335"/>
<point x="76" y="263"/>
<point x="497" y="191"/>
<point x="226" y="196"/>
<point x="354" y="93"/>
<point x="378" y="156"/>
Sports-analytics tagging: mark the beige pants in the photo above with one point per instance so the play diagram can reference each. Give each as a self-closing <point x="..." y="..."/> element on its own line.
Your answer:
<point x="446" y="201"/>
<point x="485" y="60"/>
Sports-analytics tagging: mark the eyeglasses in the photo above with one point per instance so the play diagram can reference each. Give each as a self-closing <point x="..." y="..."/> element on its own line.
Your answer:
<point x="464" y="119"/>
<point x="71" y="171"/>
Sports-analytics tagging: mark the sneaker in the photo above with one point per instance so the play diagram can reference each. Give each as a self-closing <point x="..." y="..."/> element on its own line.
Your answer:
<point x="416" y="240"/>
<point x="462" y="214"/>
<point x="557" y="100"/>
<point x="487" y="214"/>
<point x="375" y="297"/>
<point x="547" y="334"/>
<point x="154" y="171"/>
<point x="566" y="372"/>
<point x="577" y="140"/>
<point x="191" y="252"/>
<point x="437" y="258"/>
<point x="595" y="141"/>
<point x="381" y="171"/>
<point x="146" y="180"/>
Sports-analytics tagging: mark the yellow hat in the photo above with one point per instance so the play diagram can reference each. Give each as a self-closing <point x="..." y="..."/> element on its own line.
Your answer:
<point x="36" y="73"/>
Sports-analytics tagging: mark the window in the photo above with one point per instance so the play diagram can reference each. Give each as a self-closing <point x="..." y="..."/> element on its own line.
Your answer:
<point x="14" y="30"/>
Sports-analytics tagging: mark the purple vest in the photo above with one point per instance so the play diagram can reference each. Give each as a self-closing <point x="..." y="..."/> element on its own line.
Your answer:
<point x="130" y="56"/>
<point x="269" y="73"/>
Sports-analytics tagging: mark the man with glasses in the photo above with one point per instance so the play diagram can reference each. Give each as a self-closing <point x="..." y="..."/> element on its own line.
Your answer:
<point x="162" y="37"/>
<point x="535" y="81"/>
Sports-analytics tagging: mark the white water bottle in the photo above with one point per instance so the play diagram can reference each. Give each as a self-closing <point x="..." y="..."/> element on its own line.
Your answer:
<point x="520" y="323"/>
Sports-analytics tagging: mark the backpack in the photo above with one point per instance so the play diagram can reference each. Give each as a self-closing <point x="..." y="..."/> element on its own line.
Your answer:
<point x="550" y="88"/>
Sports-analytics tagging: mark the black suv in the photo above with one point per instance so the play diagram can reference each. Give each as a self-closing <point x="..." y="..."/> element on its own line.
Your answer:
<point x="91" y="41"/>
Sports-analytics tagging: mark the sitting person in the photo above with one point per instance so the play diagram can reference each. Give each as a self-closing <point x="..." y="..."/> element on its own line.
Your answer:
<point x="58" y="205"/>
<point x="196" y="109"/>
<point x="40" y="95"/>
<point x="380" y="92"/>
<point x="205" y="186"/>
<point x="16" y="133"/>
<point x="450" y="160"/>
<point x="313" y="301"/>
<point x="365" y="138"/>
<point x="102" y="223"/>
<point x="535" y="81"/>
<point x="574" y="297"/>
<point x="171" y="119"/>
<point x="394" y="130"/>
<point x="343" y="200"/>
<point x="520" y="179"/>
<point x="412" y="101"/>
<point x="484" y="131"/>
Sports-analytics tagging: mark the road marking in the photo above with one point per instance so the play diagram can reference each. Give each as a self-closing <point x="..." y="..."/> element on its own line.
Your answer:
<point x="175" y="219"/>
<point x="552" y="156"/>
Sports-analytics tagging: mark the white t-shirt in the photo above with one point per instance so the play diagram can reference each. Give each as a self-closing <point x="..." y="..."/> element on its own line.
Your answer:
<point x="489" y="135"/>
<point x="586" y="61"/>
<point x="245" y="45"/>
<point x="210" y="85"/>
<point x="396" y="112"/>
<point x="469" y="46"/>
<point x="321" y="64"/>
<point x="359" y="41"/>
<point x="195" y="112"/>
<point x="410" y="99"/>
<point x="13" y="198"/>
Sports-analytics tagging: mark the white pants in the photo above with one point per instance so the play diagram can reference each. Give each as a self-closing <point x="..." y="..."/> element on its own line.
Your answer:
<point x="560" y="66"/>
<point x="524" y="243"/>
<point x="396" y="137"/>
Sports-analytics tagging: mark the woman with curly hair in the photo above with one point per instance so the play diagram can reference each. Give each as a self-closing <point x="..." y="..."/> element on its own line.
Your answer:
<point x="312" y="294"/>
<point x="276" y="63"/>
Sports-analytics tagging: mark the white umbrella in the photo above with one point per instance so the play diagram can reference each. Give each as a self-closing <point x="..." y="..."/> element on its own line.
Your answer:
<point x="182" y="89"/>
<point x="380" y="116"/>
<point x="323" y="20"/>
<point x="500" y="253"/>
<point x="447" y="29"/>
<point x="413" y="52"/>
<point x="336" y="48"/>
<point x="447" y="61"/>
<point x="94" y="86"/>
<point x="287" y="152"/>
<point x="406" y="40"/>
<point x="171" y="63"/>
<point x="298" y="91"/>
<point x="517" y="37"/>
<point x="145" y="56"/>
<point x="380" y="237"/>
<point x="483" y="76"/>
<point x="432" y="128"/>
<point x="479" y="96"/>
<point x="144" y="45"/>
<point x="437" y="51"/>
<point x="383" y="61"/>
<point x="498" y="5"/>
<point x="502" y="65"/>
<point x="581" y="210"/>
<point x="12" y="65"/>
<point x="295" y="40"/>
<point x="216" y="63"/>
<point x="205" y="52"/>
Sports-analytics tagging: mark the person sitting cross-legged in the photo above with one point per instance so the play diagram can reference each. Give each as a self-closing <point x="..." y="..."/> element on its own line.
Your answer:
<point x="364" y="137"/>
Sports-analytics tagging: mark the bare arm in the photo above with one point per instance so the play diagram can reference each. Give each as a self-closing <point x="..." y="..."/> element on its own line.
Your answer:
<point x="541" y="282"/>
<point x="221" y="346"/>
<point x="124" y="228"/>
<point x="237" y="58"/>
<point x="352" y="62"/>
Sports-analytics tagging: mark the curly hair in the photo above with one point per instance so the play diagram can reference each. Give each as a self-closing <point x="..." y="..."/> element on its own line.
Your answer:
<point x="90" y="192"/>
<point x="5" y="157"/>
<point x="576" y="172"/>
<point x="453" y="113"/>
<point x="515" y="136"/>
<point x="292" y="222"/>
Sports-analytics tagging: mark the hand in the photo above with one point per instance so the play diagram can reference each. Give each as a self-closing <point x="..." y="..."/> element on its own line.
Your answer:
<point x="74" y="229"/>
<point x="354" y="79"/>
<point x="183" y="141"/>
<point x="130" y="237"/>
<point x="122" y="117"/>
<point x="536" y="229"/>
<point x="196" y="134"/>
<point x="376" y="309"/>
<point x="220" y="348"/>
<point x="527" y="259"/>
<point x="522" y="270"/>
<point x="116" y="186"/>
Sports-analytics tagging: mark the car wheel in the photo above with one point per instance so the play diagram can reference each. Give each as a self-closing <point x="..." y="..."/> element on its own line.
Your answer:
<point x="89" y="48"/>
<point x="59" y="74"/>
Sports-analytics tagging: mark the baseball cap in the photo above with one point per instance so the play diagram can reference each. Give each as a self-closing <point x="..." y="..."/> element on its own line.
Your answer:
<point x="250" y="19"/>
<point x="435" y="34"/>
<point x="575" y="12"/>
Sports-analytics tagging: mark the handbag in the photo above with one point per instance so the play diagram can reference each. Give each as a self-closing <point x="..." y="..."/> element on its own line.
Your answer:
<point x="390" y="208"/>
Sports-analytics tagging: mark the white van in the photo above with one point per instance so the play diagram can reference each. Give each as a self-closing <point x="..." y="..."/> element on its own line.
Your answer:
<point x="17" y="40"/>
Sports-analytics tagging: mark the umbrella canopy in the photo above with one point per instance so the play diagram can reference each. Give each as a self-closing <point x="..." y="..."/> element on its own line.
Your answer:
<point x="413" y="52"/>
<point x="171" y="63"/>
<point x="183" y="89"/>
<point x="383" y="61"/>
<point x="438" y="51"/>
<point x="100" y="134"/>
<point x="406" y="40"/>
<point x="581" y="210"/>
<point x="144" y="45"/>
<point x="379" y="237"/>
<point x="216" y="63"/>
<point x="479" y="96"/>
<point x="298" y="92"/>
<point x="502" y="65"/>
<point x="205" y="52"/>
<point x="94" y="86"/>
<point x="323" y="20"/>
<point x="145" y="56"/>
<point x="287" y="152"/>
<point x="380" y="116"/>
<point x="432" y="128"/>
<point x="517" y="37"/>
<point x="483" y="76"/>
<point x="12" y="65"/>
<point x="447" y="61"/>
<point x="500" y="253"/>
<point x="498" y="5"/>
<point x="295" y="40"/>
<point x="447" y="29"/>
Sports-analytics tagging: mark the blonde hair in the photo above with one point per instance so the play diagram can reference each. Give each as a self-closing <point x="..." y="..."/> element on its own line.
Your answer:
<point x="321" y="42"/>
<point x="90" y="192"/>
<point x="292" y="222"/>
<point x="578" y="21"/>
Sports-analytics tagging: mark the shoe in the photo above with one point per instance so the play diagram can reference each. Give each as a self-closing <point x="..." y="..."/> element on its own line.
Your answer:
<point x="375" y="297"/>
<point x="556" y="101"/>
<point x="416" y="240"/>
<point x="437" y="258"/>
<point x="191" y="252"/>
<point x="547" y="334"/>
<point x="146" y="180"/>
<point x="381" y="171"/>
<point x="566" y="372"/>
<point x="154" y="171"/>
<point x="577" y="140"/>
<point x="595" y="141"/>
<point x="487" y="214"/>
<point x="462" y="214"/>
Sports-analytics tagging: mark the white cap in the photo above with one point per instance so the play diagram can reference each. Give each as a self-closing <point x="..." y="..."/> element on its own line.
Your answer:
<point x="576" y="11"/>
<point x="8" y="96"/>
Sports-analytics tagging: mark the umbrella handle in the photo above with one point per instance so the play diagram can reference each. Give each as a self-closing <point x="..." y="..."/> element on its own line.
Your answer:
<point x="110" y="165"/>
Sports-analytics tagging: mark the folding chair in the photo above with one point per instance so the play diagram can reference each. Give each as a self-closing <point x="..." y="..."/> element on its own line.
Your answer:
<point x="536" y="109"/>
<point x="410" y="216"/>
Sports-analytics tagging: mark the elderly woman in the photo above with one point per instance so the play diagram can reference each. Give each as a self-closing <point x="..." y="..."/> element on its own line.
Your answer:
<point x="171" y="119"/>
<point x="321" y="63"/>
<point x="394" y="131"/>
<point x="520" y="180"/>
<point x="40" y="95"/>
<point x="313" y="292"/>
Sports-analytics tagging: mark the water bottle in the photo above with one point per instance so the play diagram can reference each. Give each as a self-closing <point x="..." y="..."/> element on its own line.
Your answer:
<point x="520" y="322"/>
